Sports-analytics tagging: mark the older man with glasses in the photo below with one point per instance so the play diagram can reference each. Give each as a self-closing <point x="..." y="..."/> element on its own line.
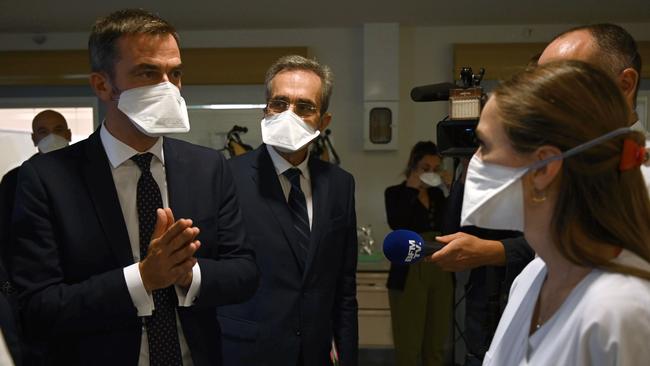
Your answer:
<point x="300" y="217"/>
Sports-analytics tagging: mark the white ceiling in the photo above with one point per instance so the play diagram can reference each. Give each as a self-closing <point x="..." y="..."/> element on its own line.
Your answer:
<point x="45" y="16"/>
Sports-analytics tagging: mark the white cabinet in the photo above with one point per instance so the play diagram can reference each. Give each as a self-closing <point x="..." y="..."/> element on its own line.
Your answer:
<point x="374" y="310"/>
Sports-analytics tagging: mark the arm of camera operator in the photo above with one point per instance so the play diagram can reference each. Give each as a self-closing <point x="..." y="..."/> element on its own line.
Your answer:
<point x="464" y="251"/>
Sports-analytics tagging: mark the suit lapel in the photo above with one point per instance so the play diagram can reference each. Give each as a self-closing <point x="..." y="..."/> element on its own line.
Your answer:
<point x="99" y="180"/>
<point x="176" y="173"/>
<point x="268" y="184"/>
<point x="320" y="208"/>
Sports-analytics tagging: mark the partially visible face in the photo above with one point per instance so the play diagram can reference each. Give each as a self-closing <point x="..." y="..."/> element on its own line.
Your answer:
<point x="428" y="164"/>
<point x="494" y="145"/>
<point x="47" y="123"/>
<point x="146" y="60"/>
<point x="300" y="86"/>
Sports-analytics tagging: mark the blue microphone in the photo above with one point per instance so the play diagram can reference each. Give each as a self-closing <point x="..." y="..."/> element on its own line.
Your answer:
<point x="407" y="247"/>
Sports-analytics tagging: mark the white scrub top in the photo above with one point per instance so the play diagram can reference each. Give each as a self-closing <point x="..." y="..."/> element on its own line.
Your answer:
<point x="605" y="320"/>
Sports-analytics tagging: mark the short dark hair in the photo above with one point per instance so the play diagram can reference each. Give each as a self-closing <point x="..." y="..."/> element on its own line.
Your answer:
<point x="296" y="62"/>
<point x="419" y="151"/>
<point x="107" y="30"/>
<point x="617" y="49"/>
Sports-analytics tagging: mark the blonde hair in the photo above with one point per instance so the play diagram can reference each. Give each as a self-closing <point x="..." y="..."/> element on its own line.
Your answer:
<point x="565" y="104"/>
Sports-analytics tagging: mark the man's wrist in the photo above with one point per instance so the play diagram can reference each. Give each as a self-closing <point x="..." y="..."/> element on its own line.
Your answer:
<point x="497" y="253"/>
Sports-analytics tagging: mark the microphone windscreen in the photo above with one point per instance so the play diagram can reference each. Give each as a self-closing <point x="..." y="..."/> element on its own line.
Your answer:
<point x="403" y="247"/>
<point x="431" y="93"/>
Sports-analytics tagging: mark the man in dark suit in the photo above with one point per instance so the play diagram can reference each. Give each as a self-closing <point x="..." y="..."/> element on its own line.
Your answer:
<point x="49" y="132"/>
<point x="105" y="275"/>
<point x="300" y="217"/>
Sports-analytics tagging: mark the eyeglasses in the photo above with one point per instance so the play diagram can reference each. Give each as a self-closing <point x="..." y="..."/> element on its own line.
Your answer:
<point x="302" y="109"/>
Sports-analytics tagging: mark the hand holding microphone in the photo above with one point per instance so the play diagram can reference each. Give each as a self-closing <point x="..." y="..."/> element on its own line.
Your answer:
<point x="408" y="247"/>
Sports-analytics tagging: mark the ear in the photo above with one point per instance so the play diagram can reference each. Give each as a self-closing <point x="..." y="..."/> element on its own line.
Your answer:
<point x="101" y="85"/>
<point x="544" y="176"/>
<point x="68" y="135"/>
<point x="325" y="121"/>
<point x="627" y="81"/>
<point x="34" y="139"/>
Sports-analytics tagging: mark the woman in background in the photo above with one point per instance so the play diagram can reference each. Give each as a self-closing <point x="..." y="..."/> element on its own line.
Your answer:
<point x="420" y="294"/>
<point x="561" y="164"/>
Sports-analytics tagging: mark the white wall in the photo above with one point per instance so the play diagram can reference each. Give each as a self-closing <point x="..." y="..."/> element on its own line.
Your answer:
<point x="425" y="57"/>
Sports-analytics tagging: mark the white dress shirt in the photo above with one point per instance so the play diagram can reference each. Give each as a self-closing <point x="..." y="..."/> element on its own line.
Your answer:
<point x="125" y="177"/>
<point x="281" y="165"/>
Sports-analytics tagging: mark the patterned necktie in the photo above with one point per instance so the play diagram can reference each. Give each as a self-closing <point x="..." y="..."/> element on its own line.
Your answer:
<point x="164" y="348"/>
<point x="298" y="207"/>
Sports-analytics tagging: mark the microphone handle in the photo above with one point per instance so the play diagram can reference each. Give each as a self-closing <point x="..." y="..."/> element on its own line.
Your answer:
<point x="430" y="247"/>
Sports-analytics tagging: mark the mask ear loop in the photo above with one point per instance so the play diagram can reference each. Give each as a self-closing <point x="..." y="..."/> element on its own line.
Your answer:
<point x="575" y="150"/>
<point x="580" y="148"/>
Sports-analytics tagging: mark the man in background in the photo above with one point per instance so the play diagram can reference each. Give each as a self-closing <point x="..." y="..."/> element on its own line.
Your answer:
<point x="300" y="217"/>
<point x="49" y="132"/>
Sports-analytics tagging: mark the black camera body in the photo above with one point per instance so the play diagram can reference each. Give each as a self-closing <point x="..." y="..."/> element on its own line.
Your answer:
<point x="456" y="133"/>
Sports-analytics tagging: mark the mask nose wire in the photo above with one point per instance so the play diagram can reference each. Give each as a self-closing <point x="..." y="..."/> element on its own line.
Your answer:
<point x="580" y="148"/>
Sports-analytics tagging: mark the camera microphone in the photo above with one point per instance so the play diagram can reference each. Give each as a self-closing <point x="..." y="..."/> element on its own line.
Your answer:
<point x="432" y="92"/>
<point x="408" y="247"/>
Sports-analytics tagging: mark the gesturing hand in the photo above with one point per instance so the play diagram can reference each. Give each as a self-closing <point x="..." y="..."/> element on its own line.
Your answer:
<point x="464" y="251"/>
<point x="170" y="256"/>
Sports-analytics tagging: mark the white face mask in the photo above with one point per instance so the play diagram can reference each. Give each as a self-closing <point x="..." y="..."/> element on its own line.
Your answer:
<point x="287" y="132"/>
<point x="52" y="142"/>
<point x="155" y="109"/>
<point x="493" y="196"/>
<point x="431" y="179"/>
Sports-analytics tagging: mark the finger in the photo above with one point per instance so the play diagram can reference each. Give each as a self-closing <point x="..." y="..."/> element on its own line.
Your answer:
<point x="448" y="238"/>
<point x="184" y="253"/>
<point x="161" y="224"/>
<point x="176" y="229"/>
<point x="182" y="239"/>
<point x="183" y="267"/>
<point x="170" y="215"/>
<point x="440" y="255"/>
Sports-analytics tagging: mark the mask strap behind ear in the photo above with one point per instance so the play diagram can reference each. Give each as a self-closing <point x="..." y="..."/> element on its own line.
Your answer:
<point x="580" y="148"/>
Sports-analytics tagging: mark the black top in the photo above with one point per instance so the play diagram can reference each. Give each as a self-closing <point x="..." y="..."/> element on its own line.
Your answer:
<point x="405" y="211"/>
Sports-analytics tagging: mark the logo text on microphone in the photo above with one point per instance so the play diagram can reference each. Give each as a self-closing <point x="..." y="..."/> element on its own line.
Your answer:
<point x="414" y="251"/>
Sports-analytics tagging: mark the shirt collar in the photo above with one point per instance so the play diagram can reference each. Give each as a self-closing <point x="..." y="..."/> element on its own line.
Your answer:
<point x="119" y="152"/>
<point x="281" y="165"/>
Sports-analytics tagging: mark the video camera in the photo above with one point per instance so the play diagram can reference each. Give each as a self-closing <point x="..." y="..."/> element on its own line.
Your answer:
<point x="456" y="133"/>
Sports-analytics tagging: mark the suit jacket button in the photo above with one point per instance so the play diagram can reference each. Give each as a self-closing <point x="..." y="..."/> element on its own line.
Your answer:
<point x="298" y="333"/>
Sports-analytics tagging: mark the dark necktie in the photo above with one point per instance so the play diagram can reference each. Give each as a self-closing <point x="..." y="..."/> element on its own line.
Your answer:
<point x="298" y="207"/>
<point x="164" y="348"/>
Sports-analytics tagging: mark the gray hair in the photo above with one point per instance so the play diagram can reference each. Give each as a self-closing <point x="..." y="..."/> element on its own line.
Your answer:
<point x="296" y="62"/>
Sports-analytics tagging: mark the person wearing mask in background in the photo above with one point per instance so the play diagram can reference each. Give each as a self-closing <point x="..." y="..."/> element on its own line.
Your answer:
<point x="49" y="132"/>
<point x="105" y="275"/>
<point x="300" y="216"/>
<point x="606" y="46"/>
<point x="420" y="294"/>
<point x="561" y="163"/>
